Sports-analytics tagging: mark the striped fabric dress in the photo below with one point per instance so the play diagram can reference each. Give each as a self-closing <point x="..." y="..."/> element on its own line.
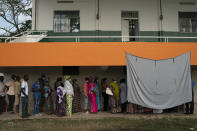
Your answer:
<point x="76" y="99"/>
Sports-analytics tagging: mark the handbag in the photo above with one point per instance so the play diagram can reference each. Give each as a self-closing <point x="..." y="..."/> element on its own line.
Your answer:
<point x="109" y="92"/>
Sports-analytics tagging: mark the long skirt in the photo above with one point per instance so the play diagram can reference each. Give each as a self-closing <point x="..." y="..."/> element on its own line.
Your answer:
<point x="131" y="108"/>
<point x="61" y="107"/>
<point x="98" y="101"/>
<point x="69" y="99"/>
<point x="49" y="105"/>
<point x="76" y="105"/>
<point x="94" y="107"/>
<point x="113" y="105"/>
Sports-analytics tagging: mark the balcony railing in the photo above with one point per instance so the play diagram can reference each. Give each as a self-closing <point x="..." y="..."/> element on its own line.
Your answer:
<point x="43" y="35"/>
<point x="25" y="35"/>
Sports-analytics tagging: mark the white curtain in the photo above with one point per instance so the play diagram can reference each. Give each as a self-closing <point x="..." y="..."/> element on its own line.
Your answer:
<point x="159" y="84"/>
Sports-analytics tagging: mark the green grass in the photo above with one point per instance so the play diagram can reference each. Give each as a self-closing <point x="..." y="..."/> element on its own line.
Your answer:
<point x="109" y="124"/>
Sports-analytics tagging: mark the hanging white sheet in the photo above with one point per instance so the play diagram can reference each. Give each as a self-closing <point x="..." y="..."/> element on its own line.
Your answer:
<point x="159" y="84"/>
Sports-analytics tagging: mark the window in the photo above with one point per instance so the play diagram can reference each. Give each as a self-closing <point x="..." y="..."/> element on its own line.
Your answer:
<point x="66" y="21"/>
<point x="188" y="21"/>
<point x="130" y="25"/>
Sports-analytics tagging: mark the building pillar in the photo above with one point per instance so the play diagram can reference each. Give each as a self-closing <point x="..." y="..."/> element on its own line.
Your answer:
<point x="34" y="14"/>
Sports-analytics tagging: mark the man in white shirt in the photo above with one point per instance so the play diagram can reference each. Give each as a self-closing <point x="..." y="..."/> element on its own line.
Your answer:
<point x="24" y="96"/>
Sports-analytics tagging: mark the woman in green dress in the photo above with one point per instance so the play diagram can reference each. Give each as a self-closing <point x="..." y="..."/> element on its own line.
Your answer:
<point x="69" y="95"/>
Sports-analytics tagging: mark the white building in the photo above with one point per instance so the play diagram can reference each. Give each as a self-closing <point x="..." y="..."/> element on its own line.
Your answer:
<point x="117" y="17"/>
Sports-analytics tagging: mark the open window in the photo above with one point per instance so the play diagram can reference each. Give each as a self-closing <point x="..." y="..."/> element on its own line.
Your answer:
<point x="66" y="21"/>
<point x="188" y="22"/>
<point x="130" y="25"/>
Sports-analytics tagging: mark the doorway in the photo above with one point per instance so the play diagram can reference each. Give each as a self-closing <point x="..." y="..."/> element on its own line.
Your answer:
<point x="129" y="25"/>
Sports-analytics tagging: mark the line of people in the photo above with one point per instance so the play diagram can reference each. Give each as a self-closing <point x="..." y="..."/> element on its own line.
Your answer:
<point x="68" y="95"/>
<point x="97" y="96"/>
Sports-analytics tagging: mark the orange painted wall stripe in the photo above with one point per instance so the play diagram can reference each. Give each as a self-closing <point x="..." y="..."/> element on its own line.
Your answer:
<point x="88" y="53"/>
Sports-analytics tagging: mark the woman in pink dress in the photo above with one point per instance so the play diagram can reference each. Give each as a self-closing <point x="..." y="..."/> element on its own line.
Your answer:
<point x="92" y="90"/>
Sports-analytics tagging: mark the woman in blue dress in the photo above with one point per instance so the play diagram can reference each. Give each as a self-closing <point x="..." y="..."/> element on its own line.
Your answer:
<point x="98" y="96"/>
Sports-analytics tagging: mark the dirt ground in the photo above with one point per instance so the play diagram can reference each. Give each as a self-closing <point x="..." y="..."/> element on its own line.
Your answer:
<point x="101" y="115"/>
<point x="101" y="121"/>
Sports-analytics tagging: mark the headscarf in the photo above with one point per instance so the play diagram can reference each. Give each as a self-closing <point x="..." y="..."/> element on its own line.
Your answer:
<point x="1" y="74"/>
<point x="90" y="79"/>
<point x="66" y="77"/>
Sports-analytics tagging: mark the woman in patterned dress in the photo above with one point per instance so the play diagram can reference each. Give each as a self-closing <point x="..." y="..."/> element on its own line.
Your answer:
<point x="77" y="98"/>
<point x="98" y="95"/>
<point x="92" y="91"/>
<point x="60" y="103"/>
<point x="69" y="95"/>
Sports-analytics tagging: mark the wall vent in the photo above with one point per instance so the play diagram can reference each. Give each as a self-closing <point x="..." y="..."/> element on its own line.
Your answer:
<point x="65" y="1"/>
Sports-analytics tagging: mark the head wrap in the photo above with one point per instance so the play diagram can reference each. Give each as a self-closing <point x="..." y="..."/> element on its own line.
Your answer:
<point x="66" y="77"/>
<point x="1" y="74"/>
<point x="90" y="79"/>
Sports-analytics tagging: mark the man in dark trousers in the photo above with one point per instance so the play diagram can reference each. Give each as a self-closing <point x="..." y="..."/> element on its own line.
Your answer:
<point x="24" y="96"/>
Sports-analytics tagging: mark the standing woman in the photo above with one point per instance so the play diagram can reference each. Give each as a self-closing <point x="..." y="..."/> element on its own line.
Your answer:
<point x="123" y="95"/>
<point x="96" y="82"/>
<point x="69" y="95"/>
<point x="116" y="90"/>
<point x="11" y="95"/>
<point x="92" y="94"/>
<point x="48" y="98"/>
<point x="112" y="100"/>
<point x="104" y="86"/>
<point x="77" y="97"/>
<point x="85" y="94"/>
<point x="60" y="106"/>
<point x="17" y="92"/>
<point x="56" y="84"/>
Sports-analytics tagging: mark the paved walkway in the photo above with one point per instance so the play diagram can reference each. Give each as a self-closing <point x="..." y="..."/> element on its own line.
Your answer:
<point x="100" y="115"/>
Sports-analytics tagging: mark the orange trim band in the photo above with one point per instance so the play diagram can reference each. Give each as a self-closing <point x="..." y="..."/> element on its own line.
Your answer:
<point x="88" y="53"/>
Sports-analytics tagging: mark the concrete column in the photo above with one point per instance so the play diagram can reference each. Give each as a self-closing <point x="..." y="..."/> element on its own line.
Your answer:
<point x="33" y="15"/>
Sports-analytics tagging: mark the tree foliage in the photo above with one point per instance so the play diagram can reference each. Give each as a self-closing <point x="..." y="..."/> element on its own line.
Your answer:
<point x="11" y="11"/>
